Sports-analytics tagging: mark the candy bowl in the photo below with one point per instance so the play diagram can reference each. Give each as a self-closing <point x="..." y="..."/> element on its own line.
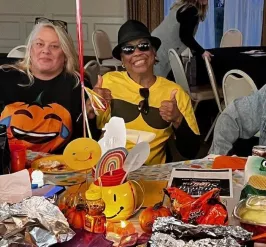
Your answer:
<point x="251" y="213"/>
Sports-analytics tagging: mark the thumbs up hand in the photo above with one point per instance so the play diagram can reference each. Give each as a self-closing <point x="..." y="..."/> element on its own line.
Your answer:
<point x="103" y="92"/>
<point x="169" y="110"/>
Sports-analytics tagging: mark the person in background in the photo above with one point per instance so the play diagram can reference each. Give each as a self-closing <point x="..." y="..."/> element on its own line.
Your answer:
<point x="41" y="94"/>
<point x="153" y="108"/>
<point x="177" y="31"/>
<point x="243" y="118"/>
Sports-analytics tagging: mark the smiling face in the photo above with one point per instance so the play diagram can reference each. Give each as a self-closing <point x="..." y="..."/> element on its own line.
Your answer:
<point x="40" y="127"/>
<point x="47" y="56"/>
<point x="139" y="62"/>
<point x="120" y="201"/>
<point x="82" y="153"/>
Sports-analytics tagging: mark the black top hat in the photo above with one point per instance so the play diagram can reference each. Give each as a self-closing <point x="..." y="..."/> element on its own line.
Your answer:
<point x="132" y="30"/>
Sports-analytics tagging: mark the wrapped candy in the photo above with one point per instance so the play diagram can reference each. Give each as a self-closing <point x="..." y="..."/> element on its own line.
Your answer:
<point x="206" y="209"/>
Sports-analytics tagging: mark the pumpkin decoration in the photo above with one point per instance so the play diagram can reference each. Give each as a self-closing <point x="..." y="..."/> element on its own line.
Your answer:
<point x="41" y="127"/>
<point x="150" y="214"/>
<point x="76" y="216"/>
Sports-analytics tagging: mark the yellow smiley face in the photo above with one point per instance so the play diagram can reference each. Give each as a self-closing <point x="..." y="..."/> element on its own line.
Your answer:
<point x="82" y="154"/>
<point x="120" y="201"/>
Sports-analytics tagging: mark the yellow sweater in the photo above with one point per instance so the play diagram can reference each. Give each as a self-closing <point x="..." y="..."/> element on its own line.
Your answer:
<point x="141" y="127"/>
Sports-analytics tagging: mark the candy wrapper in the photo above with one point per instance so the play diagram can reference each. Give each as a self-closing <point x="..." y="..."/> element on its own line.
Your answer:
<point x="33" y="222"/>
<point x="167" y="231"/>
<point x="206" y="209"/>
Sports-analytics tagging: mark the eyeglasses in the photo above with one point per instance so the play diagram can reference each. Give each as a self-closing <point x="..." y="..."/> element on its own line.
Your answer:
<point x="58" y="23"/>
<point x="144" y="104"/>
<point x="129" y="49"/>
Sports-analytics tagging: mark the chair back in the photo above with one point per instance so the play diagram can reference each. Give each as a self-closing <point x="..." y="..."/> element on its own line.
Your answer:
<point x="187" y="53"/>
<point x="18" y="52"/>
<point x="232" y="38"/>
<point x="236" y="84"/>
<point x="101" y="45"/>
<point x="186" y="58"/>
<point x="213" y="84"/>
<point x="178" y="70"/>
<point x="93" y="69"/>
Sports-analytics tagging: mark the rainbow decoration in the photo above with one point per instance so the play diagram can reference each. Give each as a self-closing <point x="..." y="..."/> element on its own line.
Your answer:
<point x="110" y="161"/>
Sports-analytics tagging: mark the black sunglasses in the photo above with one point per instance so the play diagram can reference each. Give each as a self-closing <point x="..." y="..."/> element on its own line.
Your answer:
<point x="58" y="23"/>
<point x="129" y="49"/>
<point x="144" y="104"/>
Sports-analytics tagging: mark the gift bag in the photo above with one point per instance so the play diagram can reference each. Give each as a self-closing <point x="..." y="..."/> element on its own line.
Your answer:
<point x="4" y="151"/>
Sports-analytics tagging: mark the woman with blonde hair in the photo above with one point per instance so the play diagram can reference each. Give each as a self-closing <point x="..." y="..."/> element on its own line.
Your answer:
<point x="41" y="94"/>
<point x="177" y="31"/>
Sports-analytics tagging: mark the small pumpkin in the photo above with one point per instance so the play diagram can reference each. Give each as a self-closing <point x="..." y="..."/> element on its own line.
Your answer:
<point x="76" y="217"/>
<point x="150" y="214"/>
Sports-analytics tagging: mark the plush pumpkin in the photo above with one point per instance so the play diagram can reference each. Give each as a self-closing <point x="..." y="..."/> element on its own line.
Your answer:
<point x="150" y="214"/>
<point x="41" y="127"/>
<point x="76" y="217"/>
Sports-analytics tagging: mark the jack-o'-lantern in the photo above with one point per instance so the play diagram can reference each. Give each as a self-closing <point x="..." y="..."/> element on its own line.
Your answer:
<point x="40" y="127"/>
<point x="120" y="200"/>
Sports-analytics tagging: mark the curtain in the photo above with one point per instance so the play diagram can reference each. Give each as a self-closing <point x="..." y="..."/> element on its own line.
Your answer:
<point x="206" y="30"/>
<point x="246" y="16"/>
<point x="150" y="12"/>
<point x="263" y="38"/>
<point x="167" y="5"/>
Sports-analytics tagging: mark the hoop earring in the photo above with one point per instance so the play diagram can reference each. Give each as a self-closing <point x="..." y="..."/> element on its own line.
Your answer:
<point x="123" y="66"/>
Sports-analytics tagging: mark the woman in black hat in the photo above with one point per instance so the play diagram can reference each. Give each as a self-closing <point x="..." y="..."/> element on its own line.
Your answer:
<point x="152" y="107"/>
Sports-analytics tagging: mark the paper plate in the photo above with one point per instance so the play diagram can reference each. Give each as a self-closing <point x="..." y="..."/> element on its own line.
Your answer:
<point x="66" y="179"/>
<point x="49" y="165"/>
<point x="136" y="136"/>
<point x="82" y="154"/>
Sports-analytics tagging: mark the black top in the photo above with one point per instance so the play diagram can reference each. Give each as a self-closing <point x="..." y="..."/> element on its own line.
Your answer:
<point x="43" y="115"/>
<point x="188" y="20"/>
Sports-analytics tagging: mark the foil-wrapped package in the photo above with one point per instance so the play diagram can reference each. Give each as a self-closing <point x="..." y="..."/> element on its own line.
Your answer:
<point x="162" y="240"/>
<point x="167" y="231"/>
<point x="33" y="222"/>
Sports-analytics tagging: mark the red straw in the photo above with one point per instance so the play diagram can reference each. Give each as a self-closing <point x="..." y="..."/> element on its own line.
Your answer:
<point x="81" y="64"/>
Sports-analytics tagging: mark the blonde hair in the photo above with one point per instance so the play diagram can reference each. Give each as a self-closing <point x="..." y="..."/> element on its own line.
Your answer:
<point x="71" y="65"/>
<point x="202" y="9"/>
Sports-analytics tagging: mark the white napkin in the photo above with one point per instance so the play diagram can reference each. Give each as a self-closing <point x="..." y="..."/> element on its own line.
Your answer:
<point x="15" y="187"/>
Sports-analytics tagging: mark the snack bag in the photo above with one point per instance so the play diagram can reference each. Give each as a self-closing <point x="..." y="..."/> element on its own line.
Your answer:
<point x="206" y="209"/>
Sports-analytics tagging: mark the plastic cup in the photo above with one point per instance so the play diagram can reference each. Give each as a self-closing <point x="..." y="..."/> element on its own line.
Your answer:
<point x="111" y="178"/>
<point x="18" y="157"/>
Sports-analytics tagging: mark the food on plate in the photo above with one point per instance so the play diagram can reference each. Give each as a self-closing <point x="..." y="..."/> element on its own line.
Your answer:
<point x="254" y="216"/>
<point x="52" y="166"/>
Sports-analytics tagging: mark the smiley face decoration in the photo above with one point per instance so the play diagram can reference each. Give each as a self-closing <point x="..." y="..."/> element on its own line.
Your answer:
<point x="82" y="154"/>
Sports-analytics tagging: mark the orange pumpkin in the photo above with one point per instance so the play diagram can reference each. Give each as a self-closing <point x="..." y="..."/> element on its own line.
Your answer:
<point x="150" y="214"/>
<point x="76" y="217"/>
<point x="40" y="127"/>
